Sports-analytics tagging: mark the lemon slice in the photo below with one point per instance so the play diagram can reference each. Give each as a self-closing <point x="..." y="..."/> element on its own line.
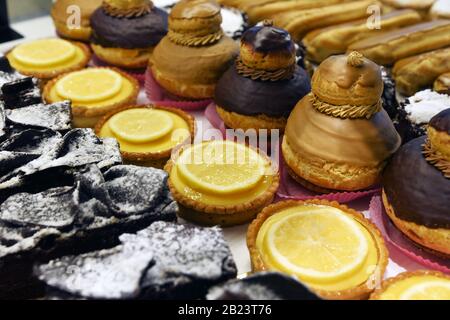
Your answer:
<point x="89" y="85"/>
<point x="141" y="125"/>
<point x="430" y="290"/>
<point x="221" y="167"/>
<point x="320" y="245"/>
<point x="45" y="52"/>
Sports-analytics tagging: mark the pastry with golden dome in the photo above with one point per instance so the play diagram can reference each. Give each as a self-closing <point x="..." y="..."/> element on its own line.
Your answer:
<point x="48" y="58"/>
<point x="221" y="182"/>
<point x="72" y="18"/>
<point x="389" y="47"/>
<point x="189" y="61"/>
<point x="339" y="137"/>
<point x="322" y="43"/>
<point x="416" y="187"/>
<point x="262" y="87"/>
<point x="419" y="72"/>
<point x="329" y="247"/>
<point x="94" y="92"/>
<point x="415" y="285"/>
<point x="125" y="32"/>
<point x="442" y="83"/>
<point x="147" y="135"/>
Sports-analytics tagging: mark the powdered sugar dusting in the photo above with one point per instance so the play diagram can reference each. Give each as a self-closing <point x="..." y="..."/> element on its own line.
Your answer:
<point x="425" y="104"/>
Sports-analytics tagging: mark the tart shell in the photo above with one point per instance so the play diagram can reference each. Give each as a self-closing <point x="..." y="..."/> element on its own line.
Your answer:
<point x="357" y="293"/>
<point x="226" y="216"/>
<point x="47" y="75"/>
<point x="258" y="122"/>
<point x="151" y="159"/>
<point x="437" y="241"/>
<point x="376" y="295"/>
<point x="87" y="112"/>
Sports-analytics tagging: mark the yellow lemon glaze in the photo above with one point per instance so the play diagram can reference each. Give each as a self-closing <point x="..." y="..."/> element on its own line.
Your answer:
<point x="124" y="92"/>
<point x="179" y="132"/>
<point x="24" y="59"/>
<point x="220" y="184"/>
<point x="357" y="273"/>
<point x="419" y="287"/>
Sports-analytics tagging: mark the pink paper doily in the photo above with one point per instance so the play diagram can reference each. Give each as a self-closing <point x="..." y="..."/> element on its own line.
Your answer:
<point x="160" y="97"/>
<point x="139" y="76"/>
<point x="399" y="245"/>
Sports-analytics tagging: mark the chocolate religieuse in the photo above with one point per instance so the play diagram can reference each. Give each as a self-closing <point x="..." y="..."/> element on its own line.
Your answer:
<point x="339" y="137"/>
<point x="416" y="187"/>
<point x="124" y="33"/>
<point x="262" y="87"/>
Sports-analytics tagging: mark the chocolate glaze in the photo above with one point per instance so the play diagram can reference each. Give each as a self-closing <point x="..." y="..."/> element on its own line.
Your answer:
<point x="249" y="97"/>
<point x="441" y="121"/>
<point x="267" y="39"/>
<point x="129" y="33"/>
<point x="417" y="190"/>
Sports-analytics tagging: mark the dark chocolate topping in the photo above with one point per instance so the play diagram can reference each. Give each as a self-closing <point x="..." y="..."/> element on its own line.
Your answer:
<point x="129" y="33"/>
<point x="18" y="91"/>
<point x="441" y="121"/>
<point x="268" y="39"/>
<point x="262" y="286"/>
<point x="245" y="96"/>
<point x="416" y="189"/>
<point x="5" y="66"/>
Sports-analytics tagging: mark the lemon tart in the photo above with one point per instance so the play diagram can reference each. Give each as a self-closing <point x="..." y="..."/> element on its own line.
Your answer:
<point x="334" y="250"/>
<point x="221" y="182"/>
<point x="94" y="92"/>
<point x="147" y="134"/>
<point x="48" y="58"/>
<point x="417" y="285"/>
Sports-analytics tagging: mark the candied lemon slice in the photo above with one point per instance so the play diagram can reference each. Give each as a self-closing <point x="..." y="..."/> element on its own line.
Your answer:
<point x="430" y="290"/>
<point x="320" y="245"/>
<point x="221" y="167"/>
<point x="89" y="85"/>
<point x="45" y="52"/>
<point x="141" y="125"/>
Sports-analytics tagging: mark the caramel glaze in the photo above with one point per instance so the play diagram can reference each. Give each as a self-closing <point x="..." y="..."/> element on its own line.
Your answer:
<point x="129" y="33"/>
<point x="236" y="93"/>
<point x="361" y="142"/>
<point x="190" y="9"/>
<point x="441" y="121"/>
<point x="266" y="39"/>
<point x="417" y="190"/>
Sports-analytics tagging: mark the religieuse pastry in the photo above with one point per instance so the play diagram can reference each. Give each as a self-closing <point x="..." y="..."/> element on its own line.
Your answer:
<point x="442" y="83"/>
<point x="221" y="182"/>
<point x="339" y="137"/>
<point x="147" y="134"/>
<point x="416" y="187"/>
<point x="125" y="32"/>
<point x="299" y="23"/>
<point x="419" y="72"/>
<point x="260" y="90"/>
<point x="416" y="285"/>
<point x="387" y="48"/>
<point x="421" y="6"/>
<point x="415" y="112"/>
<point x="322" y="43"/>
<point x="331" y="248"/>
<point x="440" y="9"/>
<point x="189" y="61"/>
<point x="48" y="58"/>
<point x="72" y="18"/>
<point x="94" y="92"/>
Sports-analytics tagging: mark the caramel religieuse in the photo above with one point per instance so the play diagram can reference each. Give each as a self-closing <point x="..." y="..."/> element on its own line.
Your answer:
<point x="339" y="137"/>
<point x="189" y="61"/>
<point x="416" y="187"/>
<point x="262" y="87"/>
<point x="124" y="32"/>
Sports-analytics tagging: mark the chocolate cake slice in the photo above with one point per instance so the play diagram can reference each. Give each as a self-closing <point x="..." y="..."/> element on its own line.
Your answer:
<point x="164" y="261"/>
<point x="89" y="215"/>
<point x="262" y="286"/>
<point x="18" y="92"/>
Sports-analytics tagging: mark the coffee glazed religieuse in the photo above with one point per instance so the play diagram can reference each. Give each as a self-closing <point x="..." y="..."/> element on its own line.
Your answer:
<point x="260" y="90"/>
<point x="339" y="137"/>
<point x="189" y="61"/>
